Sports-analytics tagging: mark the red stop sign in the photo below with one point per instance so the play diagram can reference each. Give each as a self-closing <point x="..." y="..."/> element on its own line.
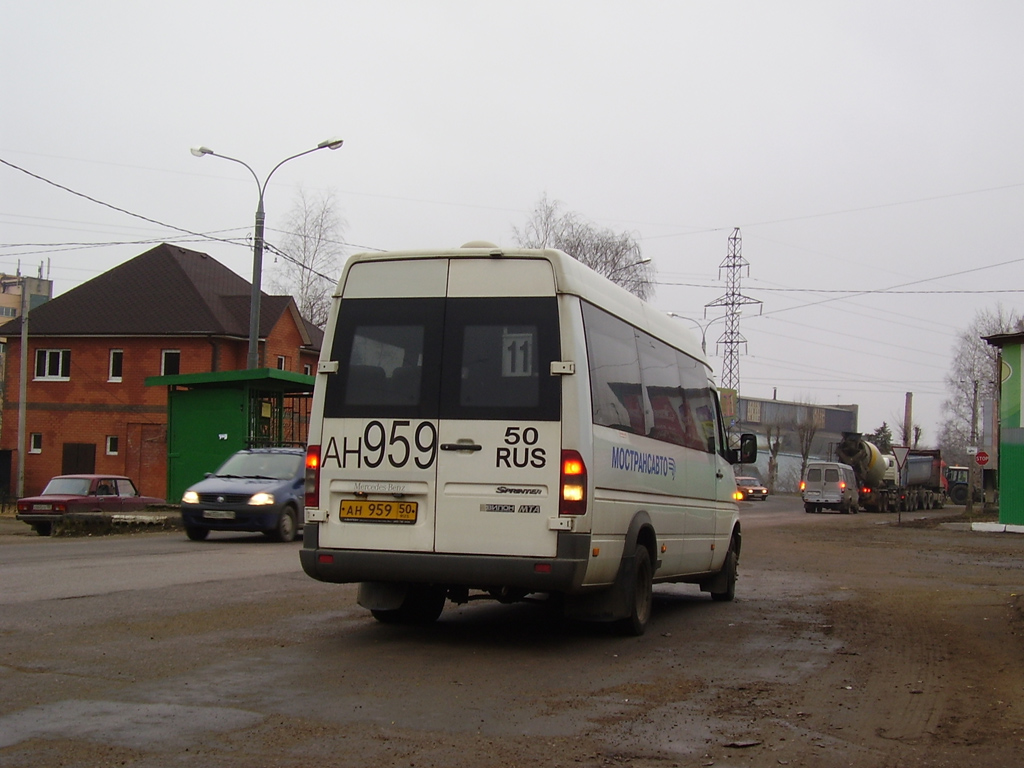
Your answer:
<point x="981" y="458"/>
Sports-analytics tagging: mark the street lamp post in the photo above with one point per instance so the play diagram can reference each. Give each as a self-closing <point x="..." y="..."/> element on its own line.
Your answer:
<point x="257" y="245"/>
<point x="703" y="328"/>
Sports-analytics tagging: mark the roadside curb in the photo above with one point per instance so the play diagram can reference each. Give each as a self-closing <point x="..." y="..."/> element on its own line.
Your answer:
<point x="163" y="518"/>
<point x="100" y="523"/>
<point x="997" y="528"/>
<point x="984" y="527"/>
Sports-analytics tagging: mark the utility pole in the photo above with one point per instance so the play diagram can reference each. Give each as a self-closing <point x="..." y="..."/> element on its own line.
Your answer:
<point x="21" y="282"/>
<point x="733" y="300"/>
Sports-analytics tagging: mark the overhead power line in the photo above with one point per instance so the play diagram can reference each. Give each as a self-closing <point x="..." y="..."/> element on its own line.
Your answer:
<point x="849" y="292"/>
<point x="50" y="247"/>
<point x="109" y="205"/>
<point x="861" y="209"/>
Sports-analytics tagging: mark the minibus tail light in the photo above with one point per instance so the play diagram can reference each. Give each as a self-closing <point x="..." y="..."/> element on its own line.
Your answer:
<point x="312" y="477"/>
<point x="572" y="485"/>
<point x="803" y="485"/>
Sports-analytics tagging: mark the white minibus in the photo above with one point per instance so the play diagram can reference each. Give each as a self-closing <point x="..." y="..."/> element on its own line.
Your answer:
<point x="830" y="485"/>
<point x="509" y="424"/>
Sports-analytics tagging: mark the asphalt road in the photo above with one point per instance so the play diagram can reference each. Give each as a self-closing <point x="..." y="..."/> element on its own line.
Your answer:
<point x="851" y="642"/>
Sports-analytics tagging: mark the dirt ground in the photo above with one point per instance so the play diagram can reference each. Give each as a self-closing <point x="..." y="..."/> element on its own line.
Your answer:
<point x="853" y="641"/>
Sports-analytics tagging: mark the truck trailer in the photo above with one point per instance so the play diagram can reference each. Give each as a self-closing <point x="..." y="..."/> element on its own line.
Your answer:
<point x="884" y="486"/>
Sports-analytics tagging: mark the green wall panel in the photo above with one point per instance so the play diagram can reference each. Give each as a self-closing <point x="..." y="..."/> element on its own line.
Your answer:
<point x="205" y="426"/>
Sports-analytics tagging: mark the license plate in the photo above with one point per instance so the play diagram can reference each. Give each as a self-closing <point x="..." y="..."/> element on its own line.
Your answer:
<point x="360" y="511"/>
<point x="219" y="514"/>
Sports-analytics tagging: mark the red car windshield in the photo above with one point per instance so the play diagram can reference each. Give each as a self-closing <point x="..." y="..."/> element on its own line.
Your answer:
<point x="67" y="486"/>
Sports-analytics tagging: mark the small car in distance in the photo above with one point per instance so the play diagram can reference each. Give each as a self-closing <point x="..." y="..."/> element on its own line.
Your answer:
<point x="68" y="495"/>
<point x="258" y="489"/>
<point x="750" y="488"/>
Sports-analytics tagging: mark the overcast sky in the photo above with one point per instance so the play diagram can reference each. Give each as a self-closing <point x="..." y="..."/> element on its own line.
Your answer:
<point x="870" y="152"/>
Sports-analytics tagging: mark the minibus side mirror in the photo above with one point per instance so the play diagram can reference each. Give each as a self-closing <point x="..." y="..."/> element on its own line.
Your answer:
<point x="746" y="453"/>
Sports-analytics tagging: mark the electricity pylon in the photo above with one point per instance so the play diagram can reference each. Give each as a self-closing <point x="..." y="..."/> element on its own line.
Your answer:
<point x="733" y="300"/>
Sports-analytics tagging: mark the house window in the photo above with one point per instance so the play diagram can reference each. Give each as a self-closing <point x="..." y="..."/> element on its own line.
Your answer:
<point x="53" y="364"/>
<point x="307" y="369"/>
<point x="35" y="442"/>
<point x="170" y="362"/>
<point x="8" y="311"/>
<point x="281" y="362"/>
<point x="116" y="364"/>
<point x="112" y="445"/>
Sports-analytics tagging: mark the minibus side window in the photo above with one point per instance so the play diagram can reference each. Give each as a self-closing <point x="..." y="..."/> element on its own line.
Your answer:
<point x="616" y="394"/>
<point x="667" y="399"/>
<point x="700" y="411"/>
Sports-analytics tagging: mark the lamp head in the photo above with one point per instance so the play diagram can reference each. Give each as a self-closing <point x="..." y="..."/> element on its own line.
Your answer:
<point x="200" y="151"/>
<point x="331" y="144"/>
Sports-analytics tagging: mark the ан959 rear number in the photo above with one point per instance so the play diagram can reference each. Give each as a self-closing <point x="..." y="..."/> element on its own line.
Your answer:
<point x="399" y="445"/>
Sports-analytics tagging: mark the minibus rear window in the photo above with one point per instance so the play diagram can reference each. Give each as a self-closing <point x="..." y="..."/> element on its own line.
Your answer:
<point x="463" y="358"/>
<point x="497" y="359"/>
<point x="389" y="356"/>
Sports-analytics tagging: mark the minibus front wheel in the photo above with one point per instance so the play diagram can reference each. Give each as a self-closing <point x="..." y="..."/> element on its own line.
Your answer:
<point x="724" y="589"/>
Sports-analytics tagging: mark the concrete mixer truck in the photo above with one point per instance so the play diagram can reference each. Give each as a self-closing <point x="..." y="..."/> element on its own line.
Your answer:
<point x="918" y="484"/>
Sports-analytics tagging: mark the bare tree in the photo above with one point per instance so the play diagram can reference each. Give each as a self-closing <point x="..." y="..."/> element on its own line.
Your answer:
<point x="774" y="436"/>
<point x="972" y="379"/>
<point x="806" y="430"/>
<point x="310" y="255"/>
<point x="617" y="256"/>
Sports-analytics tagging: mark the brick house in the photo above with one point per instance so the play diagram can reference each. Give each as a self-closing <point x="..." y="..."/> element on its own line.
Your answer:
<point x="169" y="310"/>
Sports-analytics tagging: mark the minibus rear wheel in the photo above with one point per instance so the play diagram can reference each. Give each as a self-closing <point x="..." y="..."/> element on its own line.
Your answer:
<point x="422" y="605"/>
<point x="640" y="592"/>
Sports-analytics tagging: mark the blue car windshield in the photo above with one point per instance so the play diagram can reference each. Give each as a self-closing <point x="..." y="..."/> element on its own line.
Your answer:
<point x="277" y="466"/>
<point x="67" y="486"/>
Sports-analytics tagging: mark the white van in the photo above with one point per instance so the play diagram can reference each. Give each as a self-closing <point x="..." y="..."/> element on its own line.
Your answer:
<point x="509" y="423"/>
<point x="830" y="485"/>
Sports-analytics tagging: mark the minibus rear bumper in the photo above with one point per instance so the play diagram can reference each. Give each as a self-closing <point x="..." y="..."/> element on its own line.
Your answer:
<point x="562" y="573"/>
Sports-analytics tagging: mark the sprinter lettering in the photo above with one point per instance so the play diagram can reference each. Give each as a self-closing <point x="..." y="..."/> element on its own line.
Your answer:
<point x="399" y="445"/>
<point x="521" y="458"/>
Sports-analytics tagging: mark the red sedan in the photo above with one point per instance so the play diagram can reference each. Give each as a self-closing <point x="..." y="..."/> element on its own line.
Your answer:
<point x="69" y="495"/>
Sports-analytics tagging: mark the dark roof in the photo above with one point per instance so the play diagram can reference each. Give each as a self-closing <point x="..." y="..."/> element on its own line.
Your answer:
<point x="263" y="379"/>
<point x="1005" y="339"/>
<point x="166" y="291"/>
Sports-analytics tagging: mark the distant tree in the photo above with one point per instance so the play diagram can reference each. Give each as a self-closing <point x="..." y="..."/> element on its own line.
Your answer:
<point x="309" y="257"/>
<point x="617" y="256"/>
<point x="972" y="378"/>
<point x="774" y="433"/>
<point x="882" y="438"/>
<point x="806" y="430"/>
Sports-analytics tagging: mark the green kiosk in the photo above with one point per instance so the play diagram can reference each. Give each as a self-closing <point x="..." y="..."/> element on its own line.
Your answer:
<point x="212" y="415"/>
<point x="1011" y="427"/>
